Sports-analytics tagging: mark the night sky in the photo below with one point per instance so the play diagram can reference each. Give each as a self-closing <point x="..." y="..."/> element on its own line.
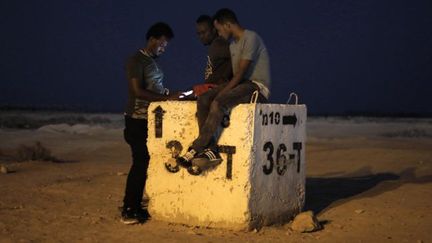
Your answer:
<point x="352" y="56"/>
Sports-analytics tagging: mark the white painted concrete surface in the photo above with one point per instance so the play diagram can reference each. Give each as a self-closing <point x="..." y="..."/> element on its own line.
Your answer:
<point x="264" y="182"/>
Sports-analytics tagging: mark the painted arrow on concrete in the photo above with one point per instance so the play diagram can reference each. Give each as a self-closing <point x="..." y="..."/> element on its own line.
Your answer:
<point x="159" y="112"/>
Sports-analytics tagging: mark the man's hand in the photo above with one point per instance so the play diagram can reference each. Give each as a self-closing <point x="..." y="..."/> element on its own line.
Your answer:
<point x="237" y="78"/>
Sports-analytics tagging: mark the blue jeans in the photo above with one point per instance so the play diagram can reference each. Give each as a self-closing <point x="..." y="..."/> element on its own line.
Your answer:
<point x="211" y="108"/>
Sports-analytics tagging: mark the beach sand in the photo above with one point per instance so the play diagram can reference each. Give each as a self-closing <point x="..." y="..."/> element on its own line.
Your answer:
<point x="368" y="180"/>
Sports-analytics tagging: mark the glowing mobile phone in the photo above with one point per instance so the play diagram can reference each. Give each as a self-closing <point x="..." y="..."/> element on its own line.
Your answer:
<point x="186" y="93"/>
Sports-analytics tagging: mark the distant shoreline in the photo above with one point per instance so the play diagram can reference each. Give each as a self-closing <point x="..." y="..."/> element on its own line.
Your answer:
<point x="56" y="109"/>
<point x="111" y="111"/>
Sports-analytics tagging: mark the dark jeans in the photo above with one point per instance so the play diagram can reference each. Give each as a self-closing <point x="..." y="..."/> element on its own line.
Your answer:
<point x="135" y="134"/>
<point x="211" y="108"/>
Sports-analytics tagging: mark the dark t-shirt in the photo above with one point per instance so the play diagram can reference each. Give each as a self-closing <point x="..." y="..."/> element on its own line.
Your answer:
<point x="219" y="68"/>
<point x="144" y="68"/>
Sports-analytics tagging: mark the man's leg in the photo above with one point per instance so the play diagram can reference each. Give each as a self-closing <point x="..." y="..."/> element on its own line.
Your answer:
<point x="240" y="94"/>
<point x="203" y="105"/>
<point x="135" y="135"/>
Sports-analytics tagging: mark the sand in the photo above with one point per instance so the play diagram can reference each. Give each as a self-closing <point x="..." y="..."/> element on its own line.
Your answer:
<point x="368" y="180"/>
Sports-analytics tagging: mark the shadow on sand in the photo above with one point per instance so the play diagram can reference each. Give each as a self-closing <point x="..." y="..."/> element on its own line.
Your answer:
<point x="321" y="192"/>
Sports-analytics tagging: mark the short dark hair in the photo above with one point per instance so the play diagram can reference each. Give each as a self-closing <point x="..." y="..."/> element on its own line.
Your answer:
<point x="160" y="29"/>
<point x="205" y="19"/>
<point x="225" y="15"/>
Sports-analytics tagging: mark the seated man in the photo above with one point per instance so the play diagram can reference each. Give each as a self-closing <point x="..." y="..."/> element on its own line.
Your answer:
<point x="218" y="69"/>
<point x="251" y="69"/>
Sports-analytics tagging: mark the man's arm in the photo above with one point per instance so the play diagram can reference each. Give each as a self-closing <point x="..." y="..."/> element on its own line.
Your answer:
<point x="135" y="71"/>
<point x="248" y="55"/>
<point x="238" y="77"/>
<point x="221" y="75"/>
<point x="149" y="95"/>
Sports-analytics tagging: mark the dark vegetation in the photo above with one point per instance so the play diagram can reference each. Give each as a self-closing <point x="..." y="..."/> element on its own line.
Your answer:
<point x="33" y="152"/>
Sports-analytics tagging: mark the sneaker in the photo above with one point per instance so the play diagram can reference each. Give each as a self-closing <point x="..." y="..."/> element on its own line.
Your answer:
<point x="208" y="158"/>
<point x="144" y="214"/>
<point x="172" y="165"/>
<point x="134" y="216"/>
<point x="194" y="170"/>
<point x="186" y="159"/>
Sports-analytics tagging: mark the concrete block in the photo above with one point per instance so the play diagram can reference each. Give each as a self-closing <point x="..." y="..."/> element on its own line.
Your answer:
<point x="261" y="180"/>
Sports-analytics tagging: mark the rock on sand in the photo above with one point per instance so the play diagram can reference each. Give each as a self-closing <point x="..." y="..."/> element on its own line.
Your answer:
<point x="305" y="222"/>
<point x="4" y="169"/>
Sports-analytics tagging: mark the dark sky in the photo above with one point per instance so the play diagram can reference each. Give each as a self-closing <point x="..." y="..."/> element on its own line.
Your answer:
<point x="339" y="56"/>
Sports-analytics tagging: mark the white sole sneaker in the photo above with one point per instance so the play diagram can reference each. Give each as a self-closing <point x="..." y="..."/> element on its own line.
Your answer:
<point x="129" y="221"/>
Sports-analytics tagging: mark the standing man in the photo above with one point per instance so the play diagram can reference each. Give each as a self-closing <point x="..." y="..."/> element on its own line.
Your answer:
<point x="218" y="69"/>
<point x="251" y="69"/>
<point x="144" y="86"/>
